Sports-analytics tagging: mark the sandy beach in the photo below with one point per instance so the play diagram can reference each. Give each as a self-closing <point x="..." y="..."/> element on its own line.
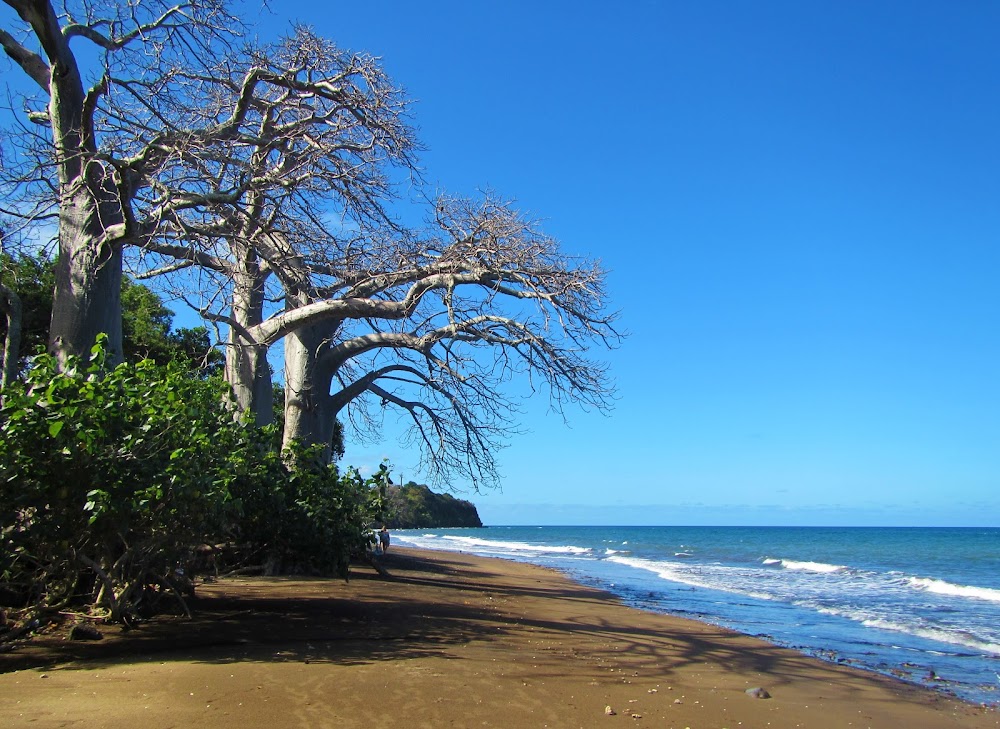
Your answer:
<point x="449" y="640"/>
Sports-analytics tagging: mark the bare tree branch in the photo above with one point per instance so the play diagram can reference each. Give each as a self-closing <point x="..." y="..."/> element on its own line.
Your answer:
<point x="113" y="43"/>
<point x="31" y="63"/>
<point x="446" y="320"/>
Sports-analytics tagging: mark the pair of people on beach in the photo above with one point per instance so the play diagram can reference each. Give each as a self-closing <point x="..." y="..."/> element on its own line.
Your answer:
<point x="383" y="539"/>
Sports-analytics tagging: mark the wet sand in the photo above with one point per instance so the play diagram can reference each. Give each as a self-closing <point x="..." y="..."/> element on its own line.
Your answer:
<point x="449" y="640"/>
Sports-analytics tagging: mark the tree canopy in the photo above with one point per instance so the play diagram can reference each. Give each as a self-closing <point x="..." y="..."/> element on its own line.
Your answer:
<point x="259" y="181"/>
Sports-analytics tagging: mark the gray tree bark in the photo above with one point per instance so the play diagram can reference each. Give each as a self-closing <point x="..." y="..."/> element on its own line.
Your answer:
<point x="309" y="414"/>
<point x="10" y="305"/>
<point x="247" y="369"/>
<point x="88" y="270"/>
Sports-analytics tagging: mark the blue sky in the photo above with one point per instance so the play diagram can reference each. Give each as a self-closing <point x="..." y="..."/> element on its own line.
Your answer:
<point x="798" y="204"/>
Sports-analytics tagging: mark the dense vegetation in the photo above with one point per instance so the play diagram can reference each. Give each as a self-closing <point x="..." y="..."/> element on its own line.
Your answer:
<point x="414" y="506"/>
<point x="117" y="482"/>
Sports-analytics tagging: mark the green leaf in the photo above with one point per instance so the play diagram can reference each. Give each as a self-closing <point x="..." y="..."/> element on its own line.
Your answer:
<point x="55" y="427"/>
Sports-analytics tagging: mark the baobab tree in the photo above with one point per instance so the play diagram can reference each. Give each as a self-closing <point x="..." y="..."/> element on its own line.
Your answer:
<point x="313" y="134"/>
<point x="437" y="326"/>
<point x="265" y="174"/>
<point x="430" y="322"/>
<point x="82" y="147"/>
<point x="193" y="148"/>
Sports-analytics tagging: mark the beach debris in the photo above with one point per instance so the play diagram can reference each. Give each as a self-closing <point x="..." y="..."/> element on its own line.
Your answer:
<point x="636" y="716"/>
<point x="677" y="701"/>
<point x="85" y="632"/>
<point x="758" y="693"/>
<point x="608" y="711"/>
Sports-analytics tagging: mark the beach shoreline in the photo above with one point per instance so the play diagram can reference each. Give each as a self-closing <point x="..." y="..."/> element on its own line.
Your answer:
<point x="450" y="639"/>
<point x="921" y="605"/>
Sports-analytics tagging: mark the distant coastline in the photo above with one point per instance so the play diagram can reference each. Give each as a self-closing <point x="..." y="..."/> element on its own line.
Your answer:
<point x="415" y="506"/>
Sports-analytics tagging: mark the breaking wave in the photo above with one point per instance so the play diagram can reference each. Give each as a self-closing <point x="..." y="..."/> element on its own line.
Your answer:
<point x="942" y="587"/>
<point x="821" y="567"/>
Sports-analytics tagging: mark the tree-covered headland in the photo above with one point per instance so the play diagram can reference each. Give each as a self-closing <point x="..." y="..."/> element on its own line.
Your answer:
<point x="415" y="506"/>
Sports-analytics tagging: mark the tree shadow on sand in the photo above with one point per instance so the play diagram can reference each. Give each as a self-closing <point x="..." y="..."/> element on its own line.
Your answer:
<point x="282" y="619"/>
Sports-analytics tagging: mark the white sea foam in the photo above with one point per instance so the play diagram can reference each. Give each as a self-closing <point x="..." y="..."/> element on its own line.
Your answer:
<point x="663" y="569"/>
<point x="822" y="567"/>
<point x="870" y="619"/>
<point x="687" y="575"/>
<point x="941" y="587"/>
<point x="495" y="546"/>
<point x="942" y="636"/>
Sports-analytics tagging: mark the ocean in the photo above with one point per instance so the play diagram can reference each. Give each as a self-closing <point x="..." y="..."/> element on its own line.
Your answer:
<point x="920" y="604"/>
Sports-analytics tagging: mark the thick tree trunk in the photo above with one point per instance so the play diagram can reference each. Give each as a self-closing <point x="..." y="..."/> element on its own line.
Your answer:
<point x="10" y="304"/>
<point x="249" y="375"/>
<point x="87" y="296"/>
<point x="247" y="370"/>
<point x="309" y="417"/>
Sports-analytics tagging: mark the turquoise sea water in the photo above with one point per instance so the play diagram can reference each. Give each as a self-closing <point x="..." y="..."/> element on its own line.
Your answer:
<point x="920" y="604"/>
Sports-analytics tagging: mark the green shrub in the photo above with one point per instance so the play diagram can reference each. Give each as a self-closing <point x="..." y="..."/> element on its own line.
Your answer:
<point x="324" y="518"/>
<point x="110" y="479"/>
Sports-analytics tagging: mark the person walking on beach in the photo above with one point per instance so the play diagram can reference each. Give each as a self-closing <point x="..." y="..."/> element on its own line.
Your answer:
<point x="383" y="539"/>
